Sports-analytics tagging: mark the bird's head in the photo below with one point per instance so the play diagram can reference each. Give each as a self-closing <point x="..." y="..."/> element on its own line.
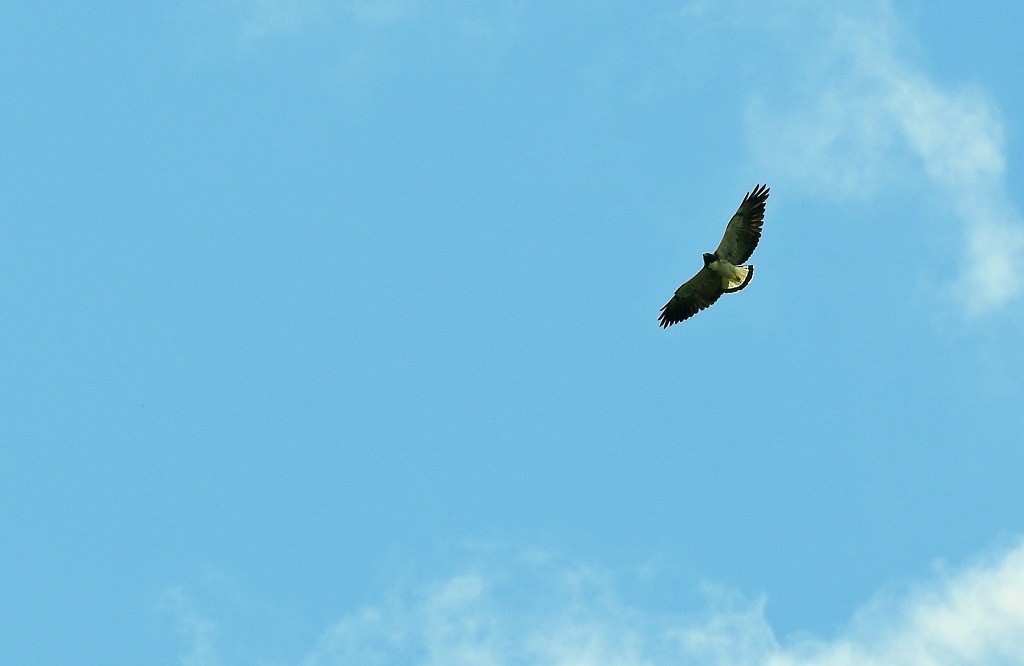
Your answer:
<point x="710" y="257"/>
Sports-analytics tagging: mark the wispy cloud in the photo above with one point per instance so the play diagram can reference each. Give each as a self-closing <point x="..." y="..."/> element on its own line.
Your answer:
<point x="264" y="18"/>
<point x="568" y="617"/>
<point x="482" y="22"/>
<point x="526" y="611"/>
<point x="975" y="616"/>
<point x="197" y="632"/>
<point x="261" y="19"/>
<point x="574" y="616"/>
<point x="864" y="112"/>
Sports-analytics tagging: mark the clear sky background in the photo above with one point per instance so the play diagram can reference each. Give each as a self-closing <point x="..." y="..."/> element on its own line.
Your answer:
<point x="329" y="336"/>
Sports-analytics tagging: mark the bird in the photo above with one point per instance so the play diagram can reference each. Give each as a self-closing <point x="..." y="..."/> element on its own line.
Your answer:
<point x="724" y="271"/>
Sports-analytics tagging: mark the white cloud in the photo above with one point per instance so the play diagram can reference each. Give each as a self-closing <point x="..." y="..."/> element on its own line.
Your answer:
<point x="973" y="617"/>
<point x="863" y="114"/>
<point x="197" y="632"/>
<point x="540" y="614"/>
<point x="530" y="610"/>
<point x="264" y="18"/>
<point x="261" y="19"/>
<point x="258" y="20"/>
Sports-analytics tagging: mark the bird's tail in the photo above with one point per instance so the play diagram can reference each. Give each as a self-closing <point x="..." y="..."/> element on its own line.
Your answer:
<point x="744" y="275"/>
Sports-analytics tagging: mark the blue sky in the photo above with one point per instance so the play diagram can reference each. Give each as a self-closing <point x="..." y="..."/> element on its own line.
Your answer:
<point x="330" y="335"/>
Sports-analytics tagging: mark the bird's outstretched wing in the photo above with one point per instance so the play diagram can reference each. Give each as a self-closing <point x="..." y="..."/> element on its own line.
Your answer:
<point x="694" y="295"/>
<point x="744" y="229"/>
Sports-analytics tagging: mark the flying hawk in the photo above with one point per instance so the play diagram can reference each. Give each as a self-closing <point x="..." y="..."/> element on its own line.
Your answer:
<point x="723" y="272"/>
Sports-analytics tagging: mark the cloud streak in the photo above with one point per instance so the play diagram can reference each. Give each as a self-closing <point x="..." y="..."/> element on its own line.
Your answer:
<point x="262" y="19"/>
<point x="863" y="113"/>
<point x="196" y="631"/>
<point x="975" y="616"/>
<point x="540" y="613"/>
<point x="526" y="611"/>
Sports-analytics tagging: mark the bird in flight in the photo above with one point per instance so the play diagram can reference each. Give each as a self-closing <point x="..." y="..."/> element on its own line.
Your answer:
<point x="723" y="271"/>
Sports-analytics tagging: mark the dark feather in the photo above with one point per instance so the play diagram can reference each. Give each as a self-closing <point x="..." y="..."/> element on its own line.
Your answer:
<point x="744" y="229"/>
<point x="691" y="297"/>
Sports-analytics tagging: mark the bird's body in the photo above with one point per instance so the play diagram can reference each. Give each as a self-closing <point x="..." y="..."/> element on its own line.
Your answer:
<point x="724" y="271"/>
<point x="733" y="277"/>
